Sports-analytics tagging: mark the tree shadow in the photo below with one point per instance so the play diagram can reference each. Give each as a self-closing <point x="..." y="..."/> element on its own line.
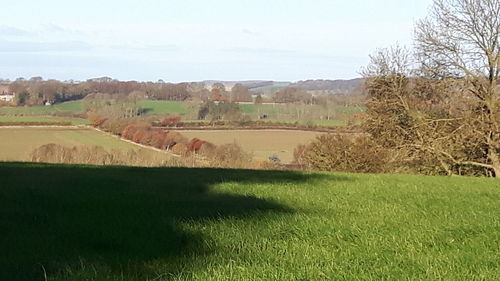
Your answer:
<point x="145" y="110"/>
<point x="53" y="217"/>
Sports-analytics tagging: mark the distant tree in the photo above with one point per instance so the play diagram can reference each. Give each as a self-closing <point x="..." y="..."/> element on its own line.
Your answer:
<point x="219" y="92"/>
<point x="240" y="93"/>
<point x="36" y="79"/>
<point x="259" y="99"/>
<point x="219" y="111"/>
<point x="292" y="95"/>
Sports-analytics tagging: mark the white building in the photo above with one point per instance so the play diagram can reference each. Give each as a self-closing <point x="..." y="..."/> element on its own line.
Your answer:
<point x="6" y="97"/>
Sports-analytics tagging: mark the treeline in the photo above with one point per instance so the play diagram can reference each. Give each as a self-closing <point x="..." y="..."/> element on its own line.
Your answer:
<point x="294" y="95"/>
<point x="36" y="91"/>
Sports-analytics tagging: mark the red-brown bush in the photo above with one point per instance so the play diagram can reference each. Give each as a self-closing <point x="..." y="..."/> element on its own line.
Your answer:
<point x="170" y="121"/>
<point x="195" y="144"/>
<point x="96" y="120"/>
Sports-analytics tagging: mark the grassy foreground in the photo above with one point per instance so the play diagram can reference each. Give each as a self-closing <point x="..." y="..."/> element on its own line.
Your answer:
<point x="119" y="223"/>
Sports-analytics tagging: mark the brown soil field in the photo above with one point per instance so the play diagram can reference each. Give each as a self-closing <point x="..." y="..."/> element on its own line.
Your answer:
<point x="262" y="143"/>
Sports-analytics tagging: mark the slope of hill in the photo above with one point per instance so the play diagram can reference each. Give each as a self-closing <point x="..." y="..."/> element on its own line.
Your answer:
<point x="247" y="83"/>
<point x="270" y="87"/>
<point x="331" y="86"/>
<point x="117" y="223"/>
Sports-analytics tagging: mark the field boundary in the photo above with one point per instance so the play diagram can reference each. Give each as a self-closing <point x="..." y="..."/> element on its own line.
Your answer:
<point x="137" y="144"/>
<point x="43" y="126"/>
<point x="90" y="127"/>
<point x="270" y="128"/>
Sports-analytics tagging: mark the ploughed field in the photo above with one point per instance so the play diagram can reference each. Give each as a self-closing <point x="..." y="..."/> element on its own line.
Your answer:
<point x="62" y="222"/>
<point x="262" y="143"/>
<point x="16" y="144"/>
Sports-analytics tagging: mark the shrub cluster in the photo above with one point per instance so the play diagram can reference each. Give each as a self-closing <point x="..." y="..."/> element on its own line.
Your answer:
<point x="335" y="152"/>
<point x="97" y="155"/>
<point x="195" y="145"/>
<point x="143" y="133"/>
<point x="226" y="156"/>
<point x="171" y="121"/>
<point x="139" y="130"/>
<point x="96" y="120"/>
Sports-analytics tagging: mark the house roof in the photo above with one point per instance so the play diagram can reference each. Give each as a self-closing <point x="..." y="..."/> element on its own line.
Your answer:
<point x="4" y="89"/>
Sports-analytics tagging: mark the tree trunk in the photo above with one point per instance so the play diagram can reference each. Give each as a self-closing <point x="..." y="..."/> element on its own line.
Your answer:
<point x="495" y="162"/>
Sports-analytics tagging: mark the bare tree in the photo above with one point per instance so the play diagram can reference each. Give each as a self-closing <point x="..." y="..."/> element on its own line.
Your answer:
<point x="460" y="40"/>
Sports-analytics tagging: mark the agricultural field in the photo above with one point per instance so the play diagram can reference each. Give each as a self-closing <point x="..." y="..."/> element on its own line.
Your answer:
<point x="70" y="106"/>
<point x="164" y="107"/>
<point x="16" y="144"/>
<point x="62" y="222"/>
<point x="270" y="89"/>
<point x="188" y="110"/>
<point x="41" y="119"/>
<point x="261" y="143"/>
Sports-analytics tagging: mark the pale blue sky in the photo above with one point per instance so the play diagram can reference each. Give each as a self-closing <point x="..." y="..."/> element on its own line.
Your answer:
<point x="191" y="40"/>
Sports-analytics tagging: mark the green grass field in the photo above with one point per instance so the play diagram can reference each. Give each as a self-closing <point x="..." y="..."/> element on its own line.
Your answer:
<point x="154" y="107"/>
<point x="262" y="109"/>
<point x="118" y="223"/>
<point x="329" y="123"/>
<point x="17" y="143"/>
<point x="163" y="107"/>
<point x="70" y="106"/>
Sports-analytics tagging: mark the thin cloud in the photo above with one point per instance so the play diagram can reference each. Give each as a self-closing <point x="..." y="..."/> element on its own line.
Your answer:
<point x="249" y="32"/>
<point x="10" y="31"/>
<point x="41" y="47"/>
<point x="259" y="51"/>
<point x="155" y="48"/>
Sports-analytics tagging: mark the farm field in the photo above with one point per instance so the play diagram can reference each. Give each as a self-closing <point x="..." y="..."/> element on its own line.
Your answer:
<point x="121" y="223"/>
<point x="35" y="119"/>
<point x="16" y="144"/>
<point x="276" y="112"/>
<point x="163" y="107"/>
<point x="262" y="143"/>
<point x="70" y="106"/>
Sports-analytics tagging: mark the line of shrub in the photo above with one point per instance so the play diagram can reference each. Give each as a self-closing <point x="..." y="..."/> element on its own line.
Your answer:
<point x="175" y="122"/>
<point x="139" y="130"/>
<point x="97" y="155"/>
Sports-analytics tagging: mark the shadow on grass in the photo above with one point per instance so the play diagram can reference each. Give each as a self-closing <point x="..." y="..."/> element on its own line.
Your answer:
<point x="53" y="217"/>
<point x="145" y="110"/>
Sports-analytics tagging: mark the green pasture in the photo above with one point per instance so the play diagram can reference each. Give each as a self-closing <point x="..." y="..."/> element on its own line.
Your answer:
<point x="70" y="106"/>
<point x="163" y="107"/>
<point x="118" y="223"/>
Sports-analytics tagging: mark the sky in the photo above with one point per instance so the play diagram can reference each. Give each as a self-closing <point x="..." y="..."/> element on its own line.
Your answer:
<point x="194" y="40"/>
